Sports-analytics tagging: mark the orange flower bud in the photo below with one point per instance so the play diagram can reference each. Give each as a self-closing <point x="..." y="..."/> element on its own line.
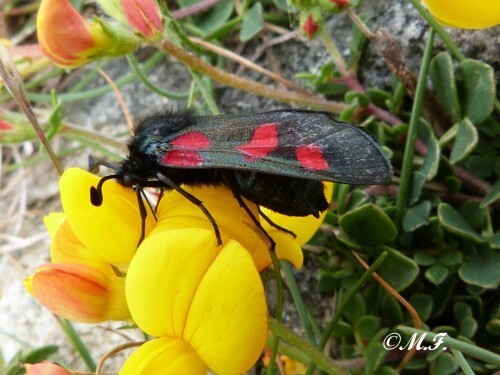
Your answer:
<point x="69" y="41"/>
<point x="144" y="16"/>
<point x="45" y="368"/>
<point x="79" y="293"/>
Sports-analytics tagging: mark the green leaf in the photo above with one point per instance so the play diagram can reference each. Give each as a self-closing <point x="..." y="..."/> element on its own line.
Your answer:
<point x="481" y="166"/>
<point x="445" y="364"/>
<point x="367" y="326"/>
<point x="473" y="214"/>
<point x="480" y="93"/>
<point x="368" y="225"/>
<point x="356" y="309"/>
<point x="482" y="270"/>
<point x="253" y="23"/>
<point x="374" y="354"/>
<point x="342" y="329"/>
<point x="437" y="273"/>
<point x="424" y="259"/>
<point x="442" y="76"/>
<point x="495" y="240"/>
<point x="453" y="222"/>
<point x="461" y="310"/>
<point x="493" y="327"/>
<point x="398" y="270"/>
<point x="416" y="216"/>
<point x="386" y="370"/>
<point x="40" y="354"/>
<point x="391" y="309"/>
<point x="453" y="258"/>
<point x="423" y="303"/>
<point x="215" y="17"/>
<point x="417" y="184"/>
<point x="284" y="5"/>
<point x="465" y="141"/>
<point x="468" y="327"/>
<point x="492" y="196"/>
<point x="356" y="97"/>
<point x="378" y="97"/>
<point x="431" y="159"/>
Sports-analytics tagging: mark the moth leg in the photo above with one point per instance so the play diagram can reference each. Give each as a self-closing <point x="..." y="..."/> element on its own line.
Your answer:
<point x="254" y="219"/>
<point x="194" y="200"/>
<point x="229" y="183"/>
<point x="273" y="224"/>
<point x="142" y="211"/>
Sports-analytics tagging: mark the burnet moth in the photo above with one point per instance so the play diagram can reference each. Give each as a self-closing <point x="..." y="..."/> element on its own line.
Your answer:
<point x="276" y="159"/>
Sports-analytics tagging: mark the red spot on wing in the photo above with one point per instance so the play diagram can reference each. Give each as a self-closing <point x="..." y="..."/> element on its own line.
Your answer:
<point x="184" y="152"/>
<point x="311" y="157"/>
<point x="264" y="141"/>
<point x="193" y="140"/>
<point x="182" y="158"/>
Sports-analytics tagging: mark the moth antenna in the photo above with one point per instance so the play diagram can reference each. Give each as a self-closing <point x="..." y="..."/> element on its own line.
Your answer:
<point x="94" y="165"/>
<point x="96" y="197"/>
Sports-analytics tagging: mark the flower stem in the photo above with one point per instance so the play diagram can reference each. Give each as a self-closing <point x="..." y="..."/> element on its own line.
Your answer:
<point x="299" y="303"/>
<point x="247" y="85"/>
<point x="145" y="80"/>
<point x="464" y="347"/>
<point x="406" y="169"/>
<point x="279" y="310"/>
<point x="312" y="352"/>
<point x="77" y="342"/>
<point x="345" y="303"/>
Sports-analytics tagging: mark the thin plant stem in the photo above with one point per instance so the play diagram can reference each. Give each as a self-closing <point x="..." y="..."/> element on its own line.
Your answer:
<point x="312" y="352"/>
<point x="279" y="310"/>
<point x="14" y="83"/>
<point x="345" y="303"/>
<point x="206" y="92"/>
<point x="332" y="49"/>
<point x="406" y="169"/>
<point x="97" y="92"/>
<point x="462" y="362"/>
<point x="299" y="303"/>
<point x="247" y="85"/>
<point x="77" y="342"/>
<point x="150" y="85"/>
<point x="462" y="346"/>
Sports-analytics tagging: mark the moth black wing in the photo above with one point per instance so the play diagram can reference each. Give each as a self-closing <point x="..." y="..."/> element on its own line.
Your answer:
<point x="296" y="143"/>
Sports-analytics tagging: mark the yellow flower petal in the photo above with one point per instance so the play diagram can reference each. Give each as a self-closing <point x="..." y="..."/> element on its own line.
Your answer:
<point x="164" y="356"/>
<point x="66" y="248"/>
<point x="79" y="293"/>
<point x="467" y="14"/>
<point x="163" y="278"/>
<point x="175" y="212"/>
<point x="52" y="222"/>
<point x="227" y="321"/>
<point x="113" y="229"/>
<point x="179" y="284"/>
<point x="303" y="227"/>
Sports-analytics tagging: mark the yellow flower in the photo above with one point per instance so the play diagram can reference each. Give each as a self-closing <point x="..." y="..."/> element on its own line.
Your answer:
<point x="467" y="14"/>
<point x="70" y="41"/>
<point x="90" y="248"/>
<point x="111" y="230"/>
<point x="205" y="304"/>
<point x="175" y="211"/>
